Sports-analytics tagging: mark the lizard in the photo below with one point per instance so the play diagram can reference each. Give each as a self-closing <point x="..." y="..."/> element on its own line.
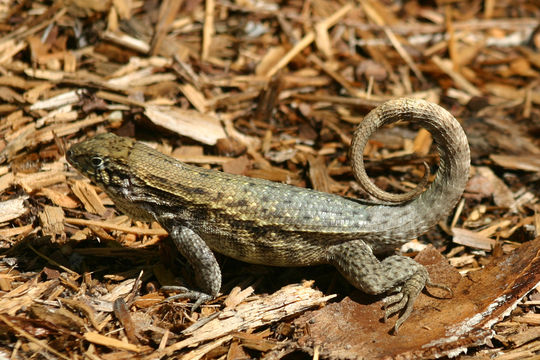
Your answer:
<point x="264" y="222"/>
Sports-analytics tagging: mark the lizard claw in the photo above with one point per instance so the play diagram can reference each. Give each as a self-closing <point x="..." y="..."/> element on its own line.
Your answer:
<point x="186" y="293"/>
<point x="404" y="299"/>
<point x="441" y="286"/>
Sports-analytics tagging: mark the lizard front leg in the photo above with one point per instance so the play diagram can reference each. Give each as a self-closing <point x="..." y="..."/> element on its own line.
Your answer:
<point x="402" y="275"/>
<point x="202" y="260"/>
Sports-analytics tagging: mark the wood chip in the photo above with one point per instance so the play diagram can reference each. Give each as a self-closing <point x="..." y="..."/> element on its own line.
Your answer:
<point x="113" y="343"/>
<point x="285" y="302"/>
<point x="525" y="163"/>
<point x="12" y="209"/>
<point x="204" y="128"/>
<point x="88" y="196"/>
<point x="472" y="239"/>
<point x="52" y="220"/>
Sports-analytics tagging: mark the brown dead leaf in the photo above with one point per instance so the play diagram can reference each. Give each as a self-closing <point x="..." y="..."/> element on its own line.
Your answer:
<point x="485" y="183"/>
<point x="437" y="327"/>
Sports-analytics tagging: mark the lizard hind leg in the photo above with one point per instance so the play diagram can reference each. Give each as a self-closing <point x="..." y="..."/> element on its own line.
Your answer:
<point x="397" y="274"/>
<point x="203" y="262"/>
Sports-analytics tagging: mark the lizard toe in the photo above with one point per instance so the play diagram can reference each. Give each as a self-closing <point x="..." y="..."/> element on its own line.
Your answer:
<point x="198" y="296"/>
<point x="404" y="300"/>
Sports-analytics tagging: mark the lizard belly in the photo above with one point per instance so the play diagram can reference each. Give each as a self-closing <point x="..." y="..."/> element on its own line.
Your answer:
<point x="265" y="247"/>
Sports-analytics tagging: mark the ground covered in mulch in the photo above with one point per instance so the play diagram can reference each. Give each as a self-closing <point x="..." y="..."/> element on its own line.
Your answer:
<point x="271" y="90"/>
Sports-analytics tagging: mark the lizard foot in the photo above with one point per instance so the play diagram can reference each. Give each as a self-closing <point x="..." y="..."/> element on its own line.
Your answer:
<point x="404" y="299"/>
<point x="186" y="293"/>
<point x="406" y="295"/>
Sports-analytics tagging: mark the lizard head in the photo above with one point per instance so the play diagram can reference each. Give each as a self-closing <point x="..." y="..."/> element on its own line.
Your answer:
<point x="101" y="158"/>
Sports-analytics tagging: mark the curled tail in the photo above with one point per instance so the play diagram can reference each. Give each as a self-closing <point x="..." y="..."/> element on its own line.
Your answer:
<point x="423" y="209"/>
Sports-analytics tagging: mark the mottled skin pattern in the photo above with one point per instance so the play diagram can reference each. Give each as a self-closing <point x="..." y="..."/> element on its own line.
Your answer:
<point x="263" y="222"/>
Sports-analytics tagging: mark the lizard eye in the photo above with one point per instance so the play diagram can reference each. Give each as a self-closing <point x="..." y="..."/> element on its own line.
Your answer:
<point x="97" y="162"/>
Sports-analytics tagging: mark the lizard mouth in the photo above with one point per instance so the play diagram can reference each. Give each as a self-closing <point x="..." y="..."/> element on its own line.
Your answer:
<point x="72" y="158"/>
<point x="69" y="156"/>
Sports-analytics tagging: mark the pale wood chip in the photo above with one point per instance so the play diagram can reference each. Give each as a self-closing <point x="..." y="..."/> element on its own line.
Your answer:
<point x="31" y="96"/>
<point x="113" y="343"/>
<point x="188" y="150"/>
<point x="100" y="233"/>
<point x="271" y="57"/>
<point x="208" y="29"/>
<point x="9" y="49"/>
<point x="505" y="91"/>
<point x="143" y="77"/>
<point x="153" y="79"/>
<point x="124" y="8"/>
<point x="61" y="114"/>
<point x="524" y="336"/>
<point x="111" y="226"/>
<point x="461" y="261"/>
<point x="58" y="198"/>
<point x="374" y="13"/>
<point x="495" y="227"/>
<point x="518" y="162"/>
<point x="45" y="74"/>
<point x="525" y="198"/>
<point x="13" y="232"/>
<point x="237" y="295"/>
<point x="6" y="282"/>
<point x="87" y="194"/>
<point x="322" y="40"/>
<point x="447" y="67"/>
<point x="25" y="294"/>
<point x="39" y="180"/>
<point x="52" y="220"/>
<point x="136" y="63"/>
<point x="120" y="99"/>
<point x="28" y="136"/>
<point x="472" y="239"/>
<point x="529" y="318"/>
<point x="195" y="97"/>
<point x="308" y="39"/>
<point x="120" y="290"/>
<point x="15" y="120"/>
<point x="285" y="302"/>
<point x="422" y="142"/>
<point x="6" y="181"/>
<point x="167" y="14"/>
<point x="9" y="95"/>
<point x="128" y="41"/>
<point x="257" y="341"/>
<point x="201" y="127"/>
<point x="83" y="307"/>
<point x="201" y="351"/>
<point x="12" y="209"/>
